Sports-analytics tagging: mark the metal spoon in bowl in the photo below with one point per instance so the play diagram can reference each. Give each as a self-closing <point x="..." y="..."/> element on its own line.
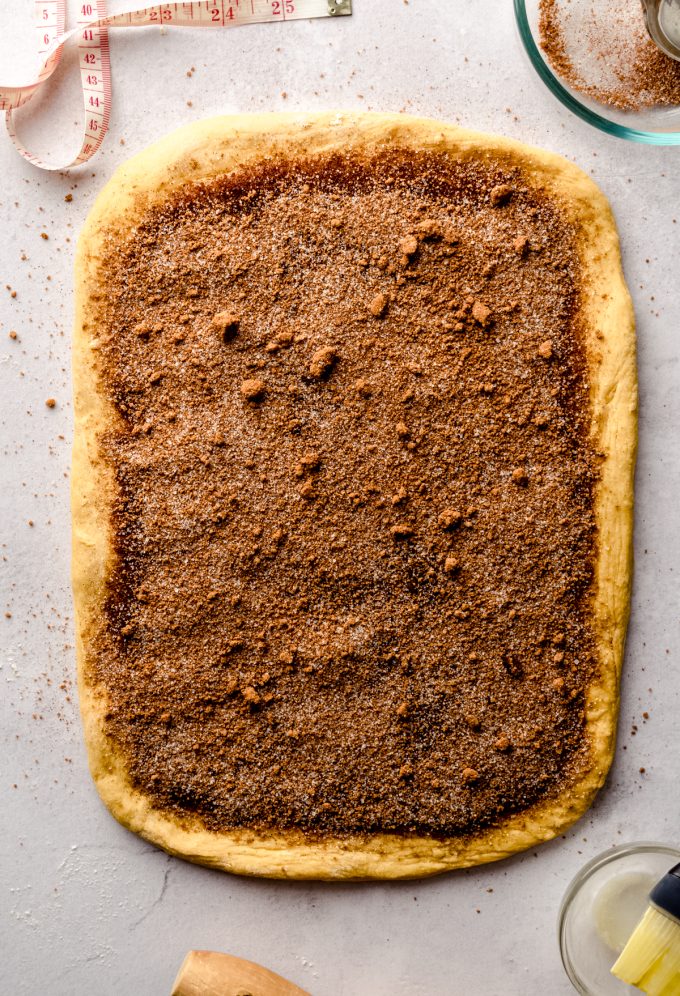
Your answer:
<point x="663" y="25"/>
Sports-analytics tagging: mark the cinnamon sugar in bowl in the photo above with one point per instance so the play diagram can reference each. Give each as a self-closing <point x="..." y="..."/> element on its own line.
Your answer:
<point x="596" y="58"/>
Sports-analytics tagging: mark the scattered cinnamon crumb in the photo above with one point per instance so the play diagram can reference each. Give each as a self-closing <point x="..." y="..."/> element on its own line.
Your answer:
<point x="253" y="389"/>
<point x="378" y="305"/>
<point x="403" y="530"/>
<point x="521" y="245"/>
<point x="500" y="194"/>
<point x="449" y="518"/>
<point x="322" y="362"/>
<point x="409" y="245"/>
<point x="227" y="324"/>
<point x="250" y="695"/>
<point x="481" y="313"/>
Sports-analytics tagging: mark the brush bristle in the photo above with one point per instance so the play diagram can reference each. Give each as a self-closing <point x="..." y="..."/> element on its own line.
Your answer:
<point x="651" y="958"/>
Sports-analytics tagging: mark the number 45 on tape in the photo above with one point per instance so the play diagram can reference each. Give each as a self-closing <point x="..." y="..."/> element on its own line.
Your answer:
<point x="92" y="33"/>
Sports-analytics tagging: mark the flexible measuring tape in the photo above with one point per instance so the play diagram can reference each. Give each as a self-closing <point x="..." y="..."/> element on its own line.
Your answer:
<point x="92" y="32"/>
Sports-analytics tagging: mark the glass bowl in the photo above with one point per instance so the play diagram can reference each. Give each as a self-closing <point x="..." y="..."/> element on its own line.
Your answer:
<point x="601" y="908"/>
<point x="653" y="126"/>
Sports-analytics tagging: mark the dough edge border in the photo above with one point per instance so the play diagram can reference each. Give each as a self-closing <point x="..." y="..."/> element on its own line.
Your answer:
<point x="201" y="151"/>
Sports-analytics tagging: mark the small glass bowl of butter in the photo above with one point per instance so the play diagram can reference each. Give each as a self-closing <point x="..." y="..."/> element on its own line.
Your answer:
<point x="601" y="908"/>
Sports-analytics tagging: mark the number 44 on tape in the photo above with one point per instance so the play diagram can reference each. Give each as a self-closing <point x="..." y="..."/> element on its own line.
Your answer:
<point x="92" y="33"/>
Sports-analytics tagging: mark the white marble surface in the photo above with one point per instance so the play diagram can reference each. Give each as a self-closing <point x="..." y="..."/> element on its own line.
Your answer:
<point x="87" y="908"/>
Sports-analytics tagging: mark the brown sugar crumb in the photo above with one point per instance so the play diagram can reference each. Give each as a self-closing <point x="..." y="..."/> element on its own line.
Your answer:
<point x="322" y="362"/>
<point x="44" y="235"/>
<point x="301" y="542"/>
<point x="12" y="334"/>
<point x="512" y="664"/>
<point x="251" y="696"/>
<point x="307" y="490"/>
<point x="519" y="477"/>
<point x="143" y="330"/>
<point x="500" y="194"/>
<point x="310" y="461"/>
<point x="545" y="350"/>
<point x="253" y="389"/>
<point x="51" y="402"/>
<point x="68" y="198"/>
<point x="481" y="313"/>
<point x="429" y="228"/>
<point x="226" y="324"/>
<point x="470" y="776"/>
<point x="363" y="387"/>
<point x="409" y="245"/>
<point x="282" y="341"/>
<point x="378" y="305"/>
<point x="521" y="245"/>
<point x="449" y="518"/>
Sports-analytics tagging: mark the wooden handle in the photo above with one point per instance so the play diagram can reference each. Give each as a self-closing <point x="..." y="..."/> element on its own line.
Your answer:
<point x="211" y="973"/>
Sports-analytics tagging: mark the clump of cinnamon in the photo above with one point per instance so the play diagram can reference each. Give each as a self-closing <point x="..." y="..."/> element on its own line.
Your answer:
<point x="378" y="305"/>
<point x="323" y="361"/>
<point x="253" y="389"/>
<point x="226" y="324"/>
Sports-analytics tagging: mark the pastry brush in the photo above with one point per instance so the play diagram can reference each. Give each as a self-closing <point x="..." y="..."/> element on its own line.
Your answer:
<point x="211" y="973"/>
<point x="651" y="958"/>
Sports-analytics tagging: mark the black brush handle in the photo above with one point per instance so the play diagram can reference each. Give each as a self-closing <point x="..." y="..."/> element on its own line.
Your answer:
<point x="666" y="893"/>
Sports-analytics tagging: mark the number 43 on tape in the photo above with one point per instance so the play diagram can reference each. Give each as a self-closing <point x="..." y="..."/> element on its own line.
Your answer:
<point x="92" y="33"/>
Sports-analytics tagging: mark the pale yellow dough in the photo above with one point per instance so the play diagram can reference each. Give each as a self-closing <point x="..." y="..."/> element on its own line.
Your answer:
<point x="205" y="150"/>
